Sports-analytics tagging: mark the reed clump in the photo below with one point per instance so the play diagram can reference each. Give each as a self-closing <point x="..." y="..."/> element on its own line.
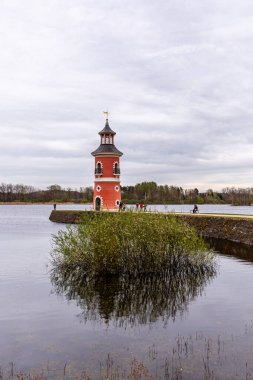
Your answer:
<point x="130" y="243"/>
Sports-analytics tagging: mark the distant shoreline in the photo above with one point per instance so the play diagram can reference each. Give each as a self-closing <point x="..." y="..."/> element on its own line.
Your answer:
<point x="90" y="203"/>
<point x="41" y="203"/>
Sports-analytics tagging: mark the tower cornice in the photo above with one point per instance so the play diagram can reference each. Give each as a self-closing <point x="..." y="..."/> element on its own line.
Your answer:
<point x="107" y="150"/>
<point x="107" y="179"/>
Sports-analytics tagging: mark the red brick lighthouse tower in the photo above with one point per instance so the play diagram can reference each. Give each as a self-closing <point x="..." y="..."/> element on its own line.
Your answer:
<point x="107" y="194"/>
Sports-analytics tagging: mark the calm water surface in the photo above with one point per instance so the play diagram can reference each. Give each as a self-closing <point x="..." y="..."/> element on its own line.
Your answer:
<point x="192" y="327"/>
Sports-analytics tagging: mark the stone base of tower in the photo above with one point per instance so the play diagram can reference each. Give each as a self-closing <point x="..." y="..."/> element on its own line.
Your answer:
<point x="107" y="195"/>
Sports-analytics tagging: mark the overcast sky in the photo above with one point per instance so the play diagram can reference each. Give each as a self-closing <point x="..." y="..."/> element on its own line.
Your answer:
<point x="176" y="76"/>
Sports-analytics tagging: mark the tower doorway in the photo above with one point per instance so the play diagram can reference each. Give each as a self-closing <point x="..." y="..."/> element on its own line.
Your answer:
<point x="98" y="204"/>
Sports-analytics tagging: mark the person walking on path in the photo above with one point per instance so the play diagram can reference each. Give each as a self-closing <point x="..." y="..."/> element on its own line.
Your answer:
<point x="195" y="209"/>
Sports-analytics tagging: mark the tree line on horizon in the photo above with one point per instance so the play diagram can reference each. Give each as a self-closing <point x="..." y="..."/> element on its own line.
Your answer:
<point x="147" y="192"/>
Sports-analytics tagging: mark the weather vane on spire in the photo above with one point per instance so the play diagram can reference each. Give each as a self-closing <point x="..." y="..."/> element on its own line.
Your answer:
<point x="106" y="113"/>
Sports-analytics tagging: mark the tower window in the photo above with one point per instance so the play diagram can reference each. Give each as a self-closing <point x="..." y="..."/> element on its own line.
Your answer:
<point x="116" y="169"/>
<point x="98" y="169"/>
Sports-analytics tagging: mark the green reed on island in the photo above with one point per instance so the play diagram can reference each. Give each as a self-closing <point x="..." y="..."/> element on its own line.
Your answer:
<point x="130" y="243"/>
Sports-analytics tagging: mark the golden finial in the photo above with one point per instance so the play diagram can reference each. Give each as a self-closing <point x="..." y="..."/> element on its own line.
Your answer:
<point x="106" y="113"/>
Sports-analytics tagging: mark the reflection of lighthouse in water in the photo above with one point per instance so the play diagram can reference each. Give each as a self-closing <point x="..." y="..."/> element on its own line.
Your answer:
<point x="107" y="194"/>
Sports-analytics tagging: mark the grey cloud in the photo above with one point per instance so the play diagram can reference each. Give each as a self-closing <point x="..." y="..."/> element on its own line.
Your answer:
<point x="176" y="76"/>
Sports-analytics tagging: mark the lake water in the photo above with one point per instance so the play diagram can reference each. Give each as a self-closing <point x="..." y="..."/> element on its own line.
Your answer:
<point x="192" y="328"/>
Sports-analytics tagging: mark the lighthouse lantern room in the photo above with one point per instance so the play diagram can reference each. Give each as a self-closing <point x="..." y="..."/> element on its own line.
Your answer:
<point x="107" y="194"/>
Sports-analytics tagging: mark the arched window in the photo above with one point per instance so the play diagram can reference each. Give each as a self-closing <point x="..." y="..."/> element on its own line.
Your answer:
<point x="98" y="203"/>
<point x="116" y="169"/>
<point x="98" y="168"/>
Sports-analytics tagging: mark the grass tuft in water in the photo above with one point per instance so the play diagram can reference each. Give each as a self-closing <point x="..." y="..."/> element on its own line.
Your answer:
<point x="130" y="243"/>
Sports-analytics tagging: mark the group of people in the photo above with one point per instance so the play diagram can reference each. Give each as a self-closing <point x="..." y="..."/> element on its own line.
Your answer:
<point x="140" y="206"/>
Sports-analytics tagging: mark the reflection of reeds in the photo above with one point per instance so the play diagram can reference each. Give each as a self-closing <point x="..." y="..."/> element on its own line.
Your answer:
<point x="132" y="299"/>
<point x="193" y="357"/>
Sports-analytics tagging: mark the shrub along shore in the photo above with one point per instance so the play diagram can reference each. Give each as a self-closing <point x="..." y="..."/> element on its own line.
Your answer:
<point x="130" y="243"/>
<point x="235" y="228"/>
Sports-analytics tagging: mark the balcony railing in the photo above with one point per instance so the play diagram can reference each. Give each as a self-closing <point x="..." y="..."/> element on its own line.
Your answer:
<point x="116" y="171"/>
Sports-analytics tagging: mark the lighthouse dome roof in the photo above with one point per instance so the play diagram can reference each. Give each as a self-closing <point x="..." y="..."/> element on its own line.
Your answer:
<point x="107" y="129"/>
